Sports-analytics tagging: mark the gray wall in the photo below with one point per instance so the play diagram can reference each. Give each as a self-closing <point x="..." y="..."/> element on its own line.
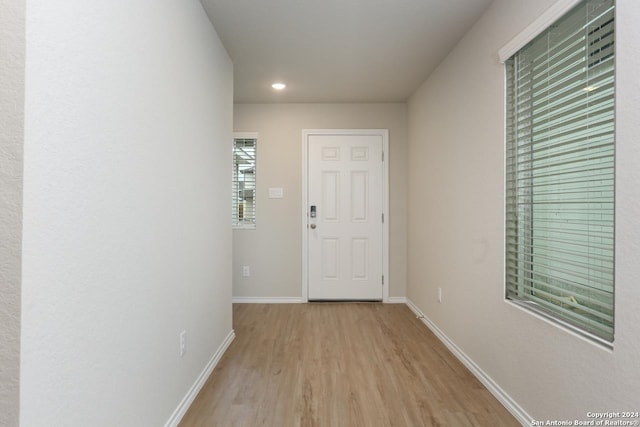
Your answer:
<point x="12" y="51"/>
<point x="456" y="227"/>
<point x="126" y="237"/>
<point x="274" y="249"/>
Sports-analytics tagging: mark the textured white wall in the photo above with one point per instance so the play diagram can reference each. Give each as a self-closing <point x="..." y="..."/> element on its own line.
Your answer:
<point x="11" y="149"/>
<point x="274" y="249"/>
<point x="126" y="209"/>
<point x="456" y="227"/>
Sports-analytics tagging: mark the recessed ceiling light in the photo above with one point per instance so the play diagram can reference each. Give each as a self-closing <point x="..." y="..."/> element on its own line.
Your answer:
<point x="278" y="86"/>
<point x="590" y="88"/>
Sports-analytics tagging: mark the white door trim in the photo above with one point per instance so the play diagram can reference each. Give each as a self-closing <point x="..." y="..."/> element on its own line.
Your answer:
<point x="384" y="133"/>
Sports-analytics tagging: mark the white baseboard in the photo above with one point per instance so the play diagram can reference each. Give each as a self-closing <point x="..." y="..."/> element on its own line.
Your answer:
<point x="266" y="300"/>
<point x="507" y="401"/>
<point x="182" y="408"/>
<point x="296" y="300"/>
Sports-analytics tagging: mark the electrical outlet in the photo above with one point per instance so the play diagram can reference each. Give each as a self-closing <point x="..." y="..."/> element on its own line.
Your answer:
<point x="440" y="295"/>
<point x="183" y="343"/>
<point x="246" y="271"/>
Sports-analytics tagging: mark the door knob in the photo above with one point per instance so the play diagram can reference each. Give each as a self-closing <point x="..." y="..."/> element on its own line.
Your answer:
<point x="313" y="226"/>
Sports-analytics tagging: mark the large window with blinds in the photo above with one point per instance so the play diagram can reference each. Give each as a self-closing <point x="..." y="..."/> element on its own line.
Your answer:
<point x="560" y="171"/>
<point x="243" y="209"/>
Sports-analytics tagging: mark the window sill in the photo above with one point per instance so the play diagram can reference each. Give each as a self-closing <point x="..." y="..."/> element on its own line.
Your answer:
<point x="244" y="227"/>
<point x="533" y="309"/>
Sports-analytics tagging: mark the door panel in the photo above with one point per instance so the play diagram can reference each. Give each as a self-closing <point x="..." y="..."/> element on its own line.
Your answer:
<point x="359" y="259"/>
<point x="345" y="183"/>
<point x="359" y="196"/>
<point x="330" y="195"/>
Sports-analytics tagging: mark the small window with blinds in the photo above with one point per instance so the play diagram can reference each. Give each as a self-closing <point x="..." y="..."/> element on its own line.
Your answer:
<point x="244" y="181"/>
<point x="560" y="172"/>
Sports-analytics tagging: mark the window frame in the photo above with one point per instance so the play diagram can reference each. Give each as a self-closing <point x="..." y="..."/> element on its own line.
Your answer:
<point x="537" y="28"/>
<point x="235" y="220"/>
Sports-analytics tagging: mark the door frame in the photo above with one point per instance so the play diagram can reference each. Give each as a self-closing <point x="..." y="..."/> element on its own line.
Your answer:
<point x="384" y="133"/>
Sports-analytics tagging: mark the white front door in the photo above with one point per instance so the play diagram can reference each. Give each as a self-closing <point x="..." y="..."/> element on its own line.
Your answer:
<point x="345" y="216"/>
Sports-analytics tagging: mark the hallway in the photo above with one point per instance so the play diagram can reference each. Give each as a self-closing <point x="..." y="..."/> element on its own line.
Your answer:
<point x="332" y="364"/>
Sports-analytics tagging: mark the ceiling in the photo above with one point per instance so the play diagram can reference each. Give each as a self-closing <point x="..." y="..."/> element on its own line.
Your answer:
<point x="337" y="50"/>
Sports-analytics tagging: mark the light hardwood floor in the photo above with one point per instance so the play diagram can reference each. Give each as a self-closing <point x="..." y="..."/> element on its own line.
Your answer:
<point x="326" y="364"/>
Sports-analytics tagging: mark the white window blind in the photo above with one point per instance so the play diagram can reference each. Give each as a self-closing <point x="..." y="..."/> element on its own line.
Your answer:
<point x="244" y="182"/>
<point x="560" y="171"/>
